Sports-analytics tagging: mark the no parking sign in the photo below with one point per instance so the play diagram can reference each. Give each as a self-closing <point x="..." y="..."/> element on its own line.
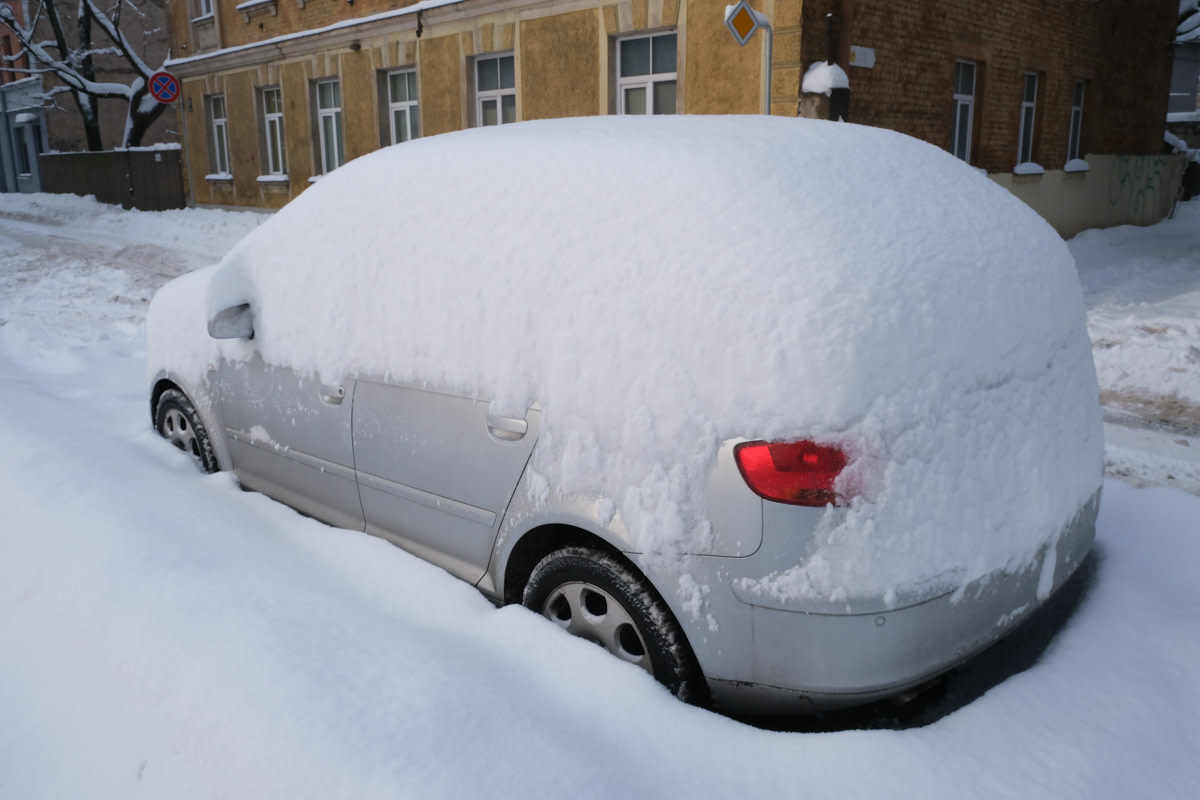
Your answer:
<point x="164" y="87"/>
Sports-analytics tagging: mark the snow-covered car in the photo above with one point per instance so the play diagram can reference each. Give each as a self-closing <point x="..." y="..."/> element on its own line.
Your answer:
<point x="790" y="414"/>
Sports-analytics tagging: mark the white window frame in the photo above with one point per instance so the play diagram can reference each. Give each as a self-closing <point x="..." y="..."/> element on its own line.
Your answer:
<point x="334" y="114"/>
<point x="1028" y="118"/>
<point x="960" y="146"/>
<point x="1076" y="125"/>
<point x="204" y="9"/>
<point x="494" y="95"/>
<point x="647" y="80"/>
<point x="409" y="107"/>
<point x="219" y="128"/>
<point x="274" y="154"/>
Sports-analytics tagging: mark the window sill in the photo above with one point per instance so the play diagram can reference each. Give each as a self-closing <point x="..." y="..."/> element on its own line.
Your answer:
<point x="252" y="8"/>
<point x="219" y="180"/>
<point x="207" y="19"/>
<point x="274" y="184"/>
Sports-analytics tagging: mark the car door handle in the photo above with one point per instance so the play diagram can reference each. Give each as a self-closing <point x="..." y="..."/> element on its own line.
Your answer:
<point x="510" y="429"/>
<point x="332" y="395"/>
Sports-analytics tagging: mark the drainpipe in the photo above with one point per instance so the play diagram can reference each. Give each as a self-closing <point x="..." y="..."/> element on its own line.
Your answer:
<point x="845" y="34"/>
<point x="839" y="99"/>
<point x="185" y="106"/>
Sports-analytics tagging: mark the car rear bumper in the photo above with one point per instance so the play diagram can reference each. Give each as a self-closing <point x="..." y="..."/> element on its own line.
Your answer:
<point x="806" y="661"/>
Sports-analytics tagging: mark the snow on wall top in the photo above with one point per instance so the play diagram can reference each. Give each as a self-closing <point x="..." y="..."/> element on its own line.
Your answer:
<point x="662" y="284"/>
<point x="823" y="78"/>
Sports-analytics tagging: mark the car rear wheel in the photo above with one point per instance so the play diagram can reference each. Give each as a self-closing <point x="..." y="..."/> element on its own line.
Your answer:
<point x="594" y="596"/>
<point x="176" y="420"/>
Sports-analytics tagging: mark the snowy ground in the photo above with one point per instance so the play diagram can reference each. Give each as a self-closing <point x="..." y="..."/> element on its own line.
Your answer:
<point x="1142" y="288"/>
<point x="163" y="634"/>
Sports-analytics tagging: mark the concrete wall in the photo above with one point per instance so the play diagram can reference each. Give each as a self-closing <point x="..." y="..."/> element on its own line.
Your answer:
<point x="1117" y="190"/>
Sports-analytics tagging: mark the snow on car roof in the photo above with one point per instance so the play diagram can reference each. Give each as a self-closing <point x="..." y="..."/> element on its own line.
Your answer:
<point x="660" y="285"/>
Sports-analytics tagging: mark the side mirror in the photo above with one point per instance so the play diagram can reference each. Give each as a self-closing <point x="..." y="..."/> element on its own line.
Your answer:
<point x="235" y="322"/>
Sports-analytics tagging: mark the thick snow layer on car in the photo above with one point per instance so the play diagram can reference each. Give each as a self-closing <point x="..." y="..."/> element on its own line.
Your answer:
<point x="661" y="285"/>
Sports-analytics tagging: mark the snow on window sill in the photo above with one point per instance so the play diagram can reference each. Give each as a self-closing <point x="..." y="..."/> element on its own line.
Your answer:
<point x="1028" y="168"/>
<point x="1183" y="116"/>
<point x="252" y="8"/>
<point x="1076" y="165"/>
<point x="273" y="184"/>
<point x="204" y="19"/>
<point x="219" y="177"/>
<point x="149" y="148"/>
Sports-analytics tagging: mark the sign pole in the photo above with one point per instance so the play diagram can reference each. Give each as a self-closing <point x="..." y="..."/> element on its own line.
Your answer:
<point x="743" y="21"/>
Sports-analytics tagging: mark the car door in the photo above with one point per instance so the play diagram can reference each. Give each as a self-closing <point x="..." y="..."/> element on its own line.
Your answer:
<point x="290" y="438"/>
<point x="436" y="471"/>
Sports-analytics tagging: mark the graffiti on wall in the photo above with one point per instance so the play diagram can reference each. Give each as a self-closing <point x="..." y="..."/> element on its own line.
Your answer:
<point x="1141" y="189"/>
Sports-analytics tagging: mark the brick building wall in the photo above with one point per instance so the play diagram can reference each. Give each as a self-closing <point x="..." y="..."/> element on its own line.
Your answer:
<point x="1118" y="48"/>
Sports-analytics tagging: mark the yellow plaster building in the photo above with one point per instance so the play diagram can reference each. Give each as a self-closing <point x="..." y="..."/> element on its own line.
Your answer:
<point x="279" y="92"/>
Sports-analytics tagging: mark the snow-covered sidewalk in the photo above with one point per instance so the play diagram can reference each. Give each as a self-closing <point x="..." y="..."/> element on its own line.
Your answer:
<point x="164" y="634"/>
<point x="1142" y="290"/>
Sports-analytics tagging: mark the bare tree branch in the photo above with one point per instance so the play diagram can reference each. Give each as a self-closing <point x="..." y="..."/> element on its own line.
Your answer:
<point x="73" y="63"/>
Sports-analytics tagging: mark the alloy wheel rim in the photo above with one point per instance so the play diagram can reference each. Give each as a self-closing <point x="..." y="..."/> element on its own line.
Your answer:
<point x="589" y="612"/>
<point x="179" y="431"/>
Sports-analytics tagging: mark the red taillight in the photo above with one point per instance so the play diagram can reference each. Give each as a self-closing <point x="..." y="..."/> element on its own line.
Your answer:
<point x="800" y="473"/>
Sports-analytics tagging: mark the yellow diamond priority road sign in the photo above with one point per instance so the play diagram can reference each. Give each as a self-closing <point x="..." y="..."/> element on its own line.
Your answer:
<point x="742" y="21"/>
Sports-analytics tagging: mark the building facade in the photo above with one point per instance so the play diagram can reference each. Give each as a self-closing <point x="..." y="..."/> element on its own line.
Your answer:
<point x="22" y="118"/>
<point x="278" y="92"/>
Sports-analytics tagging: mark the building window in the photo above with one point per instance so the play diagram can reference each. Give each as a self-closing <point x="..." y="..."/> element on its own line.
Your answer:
<point x="402" y="105"/>
<point x="1076" y="122"/>
<point x="219" y="144"/>
<point x="964" y="108"/>
<point x="646" y="74"/>
<point x="495" y="90"/>
<point x="1028" y="112"/>
<point x="331" y="150"/>
<point x="204" y="8"/>
<point x="274" y="160"/>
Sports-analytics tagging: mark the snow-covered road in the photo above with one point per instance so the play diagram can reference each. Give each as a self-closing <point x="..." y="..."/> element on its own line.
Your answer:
<point x="164" y="634"/>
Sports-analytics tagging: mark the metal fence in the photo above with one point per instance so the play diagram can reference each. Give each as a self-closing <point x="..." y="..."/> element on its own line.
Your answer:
<point x="149" y="180"/>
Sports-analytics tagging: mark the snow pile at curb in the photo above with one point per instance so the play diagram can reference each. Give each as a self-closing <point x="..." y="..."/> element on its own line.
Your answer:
<point x="1143" y="322"/>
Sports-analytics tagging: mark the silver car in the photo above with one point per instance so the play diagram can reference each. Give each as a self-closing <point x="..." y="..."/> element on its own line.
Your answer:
<point x="258" y="366"/>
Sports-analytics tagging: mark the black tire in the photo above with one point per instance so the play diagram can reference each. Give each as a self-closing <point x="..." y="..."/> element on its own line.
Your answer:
<point x="577" y="587"/>
<point x="176" y="420"/>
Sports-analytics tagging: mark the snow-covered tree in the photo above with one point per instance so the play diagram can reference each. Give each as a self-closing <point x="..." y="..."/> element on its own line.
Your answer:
<point x="96" y="33"/>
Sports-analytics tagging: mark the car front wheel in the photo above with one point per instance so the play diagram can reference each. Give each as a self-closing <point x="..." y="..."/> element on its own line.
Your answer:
<point x="594" y="596"/>
<point x="176" y="420"/>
